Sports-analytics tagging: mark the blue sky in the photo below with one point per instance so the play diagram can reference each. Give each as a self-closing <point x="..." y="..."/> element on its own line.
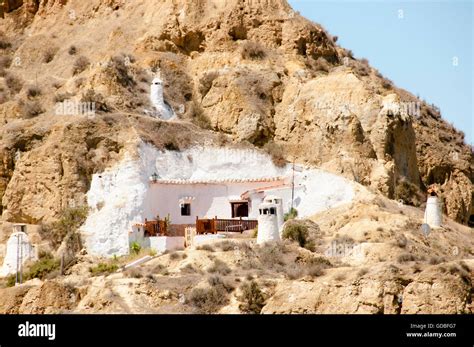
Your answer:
<point x="416" y="44"/>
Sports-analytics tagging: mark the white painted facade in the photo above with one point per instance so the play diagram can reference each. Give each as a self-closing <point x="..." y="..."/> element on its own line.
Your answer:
<point x="209" y="200"/>
<point x="123" y="195"/>
<point x="18" y="247"/>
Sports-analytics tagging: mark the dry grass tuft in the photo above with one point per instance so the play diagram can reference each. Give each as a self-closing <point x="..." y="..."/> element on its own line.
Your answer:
<point x="252" y="50"/>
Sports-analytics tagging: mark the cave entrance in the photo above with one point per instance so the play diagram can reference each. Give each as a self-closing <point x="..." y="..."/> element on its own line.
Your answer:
<point x="471" y="221"/>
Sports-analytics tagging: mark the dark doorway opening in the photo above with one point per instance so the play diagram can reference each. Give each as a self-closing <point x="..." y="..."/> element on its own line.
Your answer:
<point x="240" y="209"/>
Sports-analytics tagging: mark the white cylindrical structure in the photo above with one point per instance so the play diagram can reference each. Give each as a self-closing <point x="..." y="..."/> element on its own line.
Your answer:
<point x="273" y="199"/>
<point x="156" y="98"/>
<point x="19" y="250"/>
<point x="433" y="215"/>
<point x="267" y="223"/>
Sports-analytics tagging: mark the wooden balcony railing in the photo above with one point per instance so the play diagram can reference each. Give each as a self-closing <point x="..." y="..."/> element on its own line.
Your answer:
<point x="214" y="225"/>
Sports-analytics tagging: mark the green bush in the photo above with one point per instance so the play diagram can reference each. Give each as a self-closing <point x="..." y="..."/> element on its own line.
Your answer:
<point x="42" y="268"/>
<point x="45" y="266"/>
<point x="292" y="214"/>
<point x="11" y="280"/>
<point x="252" y="298"/>
<point x="103" y="269"/>
<point x="135" y="247"/>
<point x="296" y="232"/>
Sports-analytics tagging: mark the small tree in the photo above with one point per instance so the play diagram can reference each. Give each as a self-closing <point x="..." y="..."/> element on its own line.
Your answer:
<point x="296" y="232"/>
<point x="252" y="298"/>
<point x="69" y="221"/>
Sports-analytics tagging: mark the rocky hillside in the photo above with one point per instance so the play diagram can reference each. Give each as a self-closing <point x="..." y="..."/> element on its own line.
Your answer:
<point x="365" y="257"/>
<point x="255" y="72"/>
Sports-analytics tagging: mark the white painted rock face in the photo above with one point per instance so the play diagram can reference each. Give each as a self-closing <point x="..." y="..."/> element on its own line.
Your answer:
<point x="17" y="245"/>
<point x="433" y="215"/>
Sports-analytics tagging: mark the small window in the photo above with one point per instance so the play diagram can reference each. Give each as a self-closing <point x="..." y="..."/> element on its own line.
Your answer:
<point x="185" y="209"/>
<point x="272" y="210"/>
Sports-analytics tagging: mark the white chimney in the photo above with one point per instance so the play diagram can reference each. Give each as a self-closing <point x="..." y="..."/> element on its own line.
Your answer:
<point x="433" y="216"/>
<point x="268" y="223"/>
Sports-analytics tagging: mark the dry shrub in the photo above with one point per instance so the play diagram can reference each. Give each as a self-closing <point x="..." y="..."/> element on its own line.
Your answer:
<point x="205" y="247"/>
<point x="226" y="246"/>
<point x="362" y="272"/>
<point x="49" y="54"/>
<point x="252" y="298"/>
<point x="97" y="99"/>
<point x="13" y="83"/>
<point x="408" y="192"/>
<point x="271" y="254"/>
<point x="219" y="267"/>
<point x="33" y="91"/>
<point x="72" y="50"/>
<point x="387" y="84"/>
<point x="316" y="266"/>
<point x="133" y="272"/>
<point x="5" y="63"/>
<point x="189" y="268"/>
<point x="119" y="67"/>
<point x="315" y="270"/>
<point x="401" y="241"/>
<point x="276" y="153"/>
<point x="362" y="69"/>
<point x="212" y="298"/>
<point x="30" y="109"/>
<point x="175" y="256"/>
<point x="158" y="269"/>
<point x="4" y="43"/>
<point x="406" y="257"/>
<point x="252" y="50"/>
<point x="461" y="270"/>
<point x="320" y="64"/>
<point x="199" y="117"/>
<point x="80" y="64"/>
<point x="60" y="97"/>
